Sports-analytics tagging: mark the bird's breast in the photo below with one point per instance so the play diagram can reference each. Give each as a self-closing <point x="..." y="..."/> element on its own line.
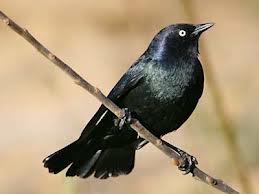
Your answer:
<point x="167" y="95"/>
<point x="170" y="83"/>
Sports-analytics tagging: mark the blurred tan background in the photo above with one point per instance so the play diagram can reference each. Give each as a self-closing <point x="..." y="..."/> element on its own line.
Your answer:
<point x="41" y="109"/>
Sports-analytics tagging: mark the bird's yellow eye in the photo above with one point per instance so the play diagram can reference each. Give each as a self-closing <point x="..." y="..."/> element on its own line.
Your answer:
<point x="182" y="33"/>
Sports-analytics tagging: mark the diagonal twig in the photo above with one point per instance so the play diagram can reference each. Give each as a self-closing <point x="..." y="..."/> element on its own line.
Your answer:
<point x="136" y="125"/>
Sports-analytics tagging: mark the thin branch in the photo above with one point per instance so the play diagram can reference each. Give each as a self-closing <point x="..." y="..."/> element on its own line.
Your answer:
<point x="136" y="125"/>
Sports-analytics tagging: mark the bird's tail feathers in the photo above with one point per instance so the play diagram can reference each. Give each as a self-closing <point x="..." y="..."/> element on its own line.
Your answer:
<point x="59" y="160"/>
<point x="114" y="162"/>
<point x="89" y="159"/>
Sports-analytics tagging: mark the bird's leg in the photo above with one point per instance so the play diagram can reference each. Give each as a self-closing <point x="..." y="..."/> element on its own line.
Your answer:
<point x="188" y="161"/>
<point x="125" y="119"/>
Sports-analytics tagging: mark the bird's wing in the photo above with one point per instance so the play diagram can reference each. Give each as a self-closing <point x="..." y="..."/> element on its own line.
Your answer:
<point x="128" y="81"/>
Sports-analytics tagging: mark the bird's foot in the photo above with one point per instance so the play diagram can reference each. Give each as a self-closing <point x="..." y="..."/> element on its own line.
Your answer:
<point x="124" y="120"/>
<point x="187" y="163"/>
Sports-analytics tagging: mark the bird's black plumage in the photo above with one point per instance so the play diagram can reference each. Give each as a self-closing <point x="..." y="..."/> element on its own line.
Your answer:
<point x="161" y="89"/>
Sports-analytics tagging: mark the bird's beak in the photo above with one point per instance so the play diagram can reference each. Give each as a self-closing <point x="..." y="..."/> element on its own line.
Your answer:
<point x="199" y="28"/>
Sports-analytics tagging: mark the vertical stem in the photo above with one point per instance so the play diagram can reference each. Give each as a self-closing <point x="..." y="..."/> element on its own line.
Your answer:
<point x="227" y="126"/>
<point x="69" y="186"/>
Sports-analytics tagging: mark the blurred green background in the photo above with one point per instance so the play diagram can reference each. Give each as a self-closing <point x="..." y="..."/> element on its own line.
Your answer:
<point x="41" y="109"/>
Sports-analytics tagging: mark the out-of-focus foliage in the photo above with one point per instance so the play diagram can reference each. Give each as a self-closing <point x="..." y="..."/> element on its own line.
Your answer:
<point x="41" y="109"/>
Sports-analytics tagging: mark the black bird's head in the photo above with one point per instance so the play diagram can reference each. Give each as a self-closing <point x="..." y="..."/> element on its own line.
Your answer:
<point x="177" y="40"/>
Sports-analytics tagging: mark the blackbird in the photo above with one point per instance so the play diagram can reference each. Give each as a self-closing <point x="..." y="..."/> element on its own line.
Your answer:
<point x="161" y="89"/>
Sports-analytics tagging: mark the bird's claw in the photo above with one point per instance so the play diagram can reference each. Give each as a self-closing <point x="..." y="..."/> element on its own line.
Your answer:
<point x="187" y="163"/>
<point x="126" y="119"/>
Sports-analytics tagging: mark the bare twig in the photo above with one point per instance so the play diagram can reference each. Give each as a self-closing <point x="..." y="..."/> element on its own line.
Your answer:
<point x="136" y="125"/>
